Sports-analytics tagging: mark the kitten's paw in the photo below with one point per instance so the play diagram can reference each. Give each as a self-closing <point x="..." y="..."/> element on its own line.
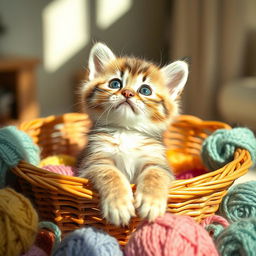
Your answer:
<point x="149" y="206"/>
<point x="118" y="211"/>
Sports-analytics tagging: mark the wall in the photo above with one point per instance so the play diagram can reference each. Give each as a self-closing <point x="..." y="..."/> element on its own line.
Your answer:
<point x="141" y="32"/>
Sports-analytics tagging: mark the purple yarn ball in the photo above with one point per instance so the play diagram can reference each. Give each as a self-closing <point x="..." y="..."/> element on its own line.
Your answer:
<point x="88" y="241"/>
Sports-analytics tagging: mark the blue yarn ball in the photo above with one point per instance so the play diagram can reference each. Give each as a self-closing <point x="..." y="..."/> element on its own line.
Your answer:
<point x="239" y="202"/>
<point x="15" y="145"/>
<point x="238" y="239"/>
<point x="88" y="241"/>
<point x="219" y="148"/>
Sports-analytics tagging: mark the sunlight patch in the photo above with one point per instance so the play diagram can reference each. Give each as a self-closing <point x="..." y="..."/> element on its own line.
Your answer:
<point x="65" y="31"/>
<point x="109" y="11"/>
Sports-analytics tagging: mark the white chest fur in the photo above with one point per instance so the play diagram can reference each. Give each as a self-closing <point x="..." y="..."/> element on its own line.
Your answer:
<point x="130" y="150"/>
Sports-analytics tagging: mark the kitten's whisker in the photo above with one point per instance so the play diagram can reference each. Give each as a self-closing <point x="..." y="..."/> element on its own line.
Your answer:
<point x="111" y="107"/>
<point x="102" y="90"/>
<point x="97" y="105"/>
<point x="102" y="115"/>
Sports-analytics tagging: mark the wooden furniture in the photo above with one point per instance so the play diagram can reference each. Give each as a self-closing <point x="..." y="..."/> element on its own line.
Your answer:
<point x="18" y="79"/>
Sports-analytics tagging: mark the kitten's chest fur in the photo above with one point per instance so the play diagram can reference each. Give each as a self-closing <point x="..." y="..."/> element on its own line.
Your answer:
<point x="129" y="150"/>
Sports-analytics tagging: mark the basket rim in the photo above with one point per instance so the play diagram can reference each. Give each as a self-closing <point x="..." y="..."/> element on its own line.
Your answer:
<point x="219" y="178"/>
<point x="76" y="185"/>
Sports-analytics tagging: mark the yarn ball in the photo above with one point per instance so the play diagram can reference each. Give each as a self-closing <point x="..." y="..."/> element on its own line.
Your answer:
<point x="61" y="159"/>
<point x="214" y="224"/>
<point x="48" y="237"/>
<point x="190" y="174"/>
<point x="239" y="202"/>
<point x="15" y="145"/>
<point x="45" y="240"/>
<point x="219" y="148"/>
<point x="174" y="235"/>
<point x="35" y="251"/>
<point x="62" y="169"/>
<point x="238" y="239"/>
<point x="88" y="242"/>
<point x="18" y="223"/>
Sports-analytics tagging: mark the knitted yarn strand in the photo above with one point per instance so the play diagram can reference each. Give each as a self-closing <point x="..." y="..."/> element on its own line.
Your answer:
<point x="15" y="145"/>
<point x="18" y="223"/>
<point x="174" y="235"/>
<point x="214" y="224"/>
<point x="238" y="239"/>
<point x="88" y="242"/>
<point x="219" y="148"/>
<point x="239" y="202"/>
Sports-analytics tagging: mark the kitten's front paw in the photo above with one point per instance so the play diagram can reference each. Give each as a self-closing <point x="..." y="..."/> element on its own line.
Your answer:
<point x="150" y="206"/>
<point x="118" y="210"/>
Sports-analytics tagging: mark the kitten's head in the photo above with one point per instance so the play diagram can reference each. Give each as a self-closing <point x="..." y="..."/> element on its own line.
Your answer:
<point x="130" y="92"/>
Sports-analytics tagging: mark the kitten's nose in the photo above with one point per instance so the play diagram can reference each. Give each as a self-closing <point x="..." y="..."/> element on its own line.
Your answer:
<point x="127" y="93"/>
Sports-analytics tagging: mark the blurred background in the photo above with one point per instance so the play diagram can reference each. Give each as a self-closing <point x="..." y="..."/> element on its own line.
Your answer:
<point x="44" y="47"/>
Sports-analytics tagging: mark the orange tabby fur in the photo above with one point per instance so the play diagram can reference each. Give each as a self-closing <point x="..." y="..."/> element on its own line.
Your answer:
<point x="125" y="143"/>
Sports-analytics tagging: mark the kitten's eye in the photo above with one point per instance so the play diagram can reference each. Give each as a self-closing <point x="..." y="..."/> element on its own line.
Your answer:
<point x="115" y="84"/>
<point x="145" y="90"/>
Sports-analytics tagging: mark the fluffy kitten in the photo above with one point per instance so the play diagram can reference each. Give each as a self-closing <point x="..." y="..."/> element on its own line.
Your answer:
<point x="131" y="102"/>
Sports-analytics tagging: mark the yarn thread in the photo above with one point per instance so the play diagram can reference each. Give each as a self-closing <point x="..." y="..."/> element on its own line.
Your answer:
<point x="219" y="148"/>
<point x="52" y="227"/>
<point x="190" y="174"/>
<point x="62" y="169"/>
<point x="35" y="251"/>
<point x="88" y="242"/>
<point x="18" y="223"/>
<point x="239" y="202"/>
<point x="238" y="239"/>
<point x="214" y="224"/>
<point x="15" y="145"/>
<point x="45" y="240"/>
<point x="61" y="159"/>
<point x="170" y="235"/>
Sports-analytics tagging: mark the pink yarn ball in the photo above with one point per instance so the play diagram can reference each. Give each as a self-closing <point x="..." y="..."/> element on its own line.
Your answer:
<point x="35" y="251"/>
<point x="190" y="174"/>
<point x="171" y="235"/>
<point x="61" y="169"/>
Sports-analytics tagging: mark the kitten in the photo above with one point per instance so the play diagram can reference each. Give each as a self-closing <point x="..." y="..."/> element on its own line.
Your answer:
<point x="131" y="102"/>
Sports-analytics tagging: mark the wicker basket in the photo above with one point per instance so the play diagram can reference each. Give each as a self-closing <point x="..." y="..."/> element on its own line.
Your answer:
<point x="71" y="202"/>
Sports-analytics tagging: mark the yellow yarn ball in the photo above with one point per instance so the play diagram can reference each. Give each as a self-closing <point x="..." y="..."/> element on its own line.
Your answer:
<point x="58" y="160"/>
<point x="18" y="223"/>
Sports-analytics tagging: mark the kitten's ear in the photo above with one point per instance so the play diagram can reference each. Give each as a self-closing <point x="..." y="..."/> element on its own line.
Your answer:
<point x="176" y="74"/>
<point x="100" y="55"/>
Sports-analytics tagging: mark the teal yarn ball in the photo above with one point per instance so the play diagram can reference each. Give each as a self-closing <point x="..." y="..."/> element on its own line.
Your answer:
<point x="219" y="148"/>
<point x="239" y="202"/>
<point x="88" y="241"/>
<point x="239" y="239"/>
<point x="214" y="225"/>
<point x="15" y="145"/>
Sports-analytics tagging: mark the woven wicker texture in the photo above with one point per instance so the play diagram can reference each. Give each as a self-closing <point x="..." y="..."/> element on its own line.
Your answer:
<point x="71" y="202"/>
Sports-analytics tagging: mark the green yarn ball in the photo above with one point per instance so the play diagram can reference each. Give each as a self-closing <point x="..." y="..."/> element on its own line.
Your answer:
<point x="15" y="145"/>
<point x="239" y="202"/>
<point x="239" y="239"/>
<point x="219" y="148"/>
